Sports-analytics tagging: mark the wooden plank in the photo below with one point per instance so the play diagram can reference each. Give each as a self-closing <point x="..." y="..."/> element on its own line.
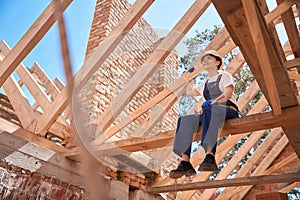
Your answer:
<point x="291" y="30"/>
<point x="32" y="85"/>
<point x="95" y="60"/>
<point x="49" y="163"/>
<point x="20" y="104"/>
<point x="262" y="121"/>
<point x="262" y="53"/>
<point x="245" y="124"/>
<point x="29" y="40"/>
<point x="279" y="10"/>
<point x="249" y="94"/>
<point x="292" y="132"/>
<point x="253" y="180"/>
<point x="149" y="66"/>
<point x="267" y="161"/>
<point x="244" y="171"/>
<point x="289" y="187"/>
<point x="233" y="16"/>
<point x="290" y="64"/>
<point x="53" y="88"/>
<point x="236" y="63"/>
<point x="258" y="153"/>
<point x="53" y="112"/>
<point x="159" y="140"/>
<point x="30" y="137"/>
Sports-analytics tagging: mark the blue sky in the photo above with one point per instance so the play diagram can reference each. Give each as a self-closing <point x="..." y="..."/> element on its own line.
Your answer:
<point x="16" y="16"/>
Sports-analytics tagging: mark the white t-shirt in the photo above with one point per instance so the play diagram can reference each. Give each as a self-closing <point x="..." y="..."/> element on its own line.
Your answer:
<point x="225" y="81"/>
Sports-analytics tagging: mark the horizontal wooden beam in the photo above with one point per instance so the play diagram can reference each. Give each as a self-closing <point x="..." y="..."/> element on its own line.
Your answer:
<point x="245" y="124"/>
<point x="30" y="137"/>
<point x="253" y="180"/>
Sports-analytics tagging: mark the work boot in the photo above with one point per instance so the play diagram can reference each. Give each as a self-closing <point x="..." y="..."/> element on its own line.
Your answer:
<point x="209" y="164"/>
<point x="184" y="168"/>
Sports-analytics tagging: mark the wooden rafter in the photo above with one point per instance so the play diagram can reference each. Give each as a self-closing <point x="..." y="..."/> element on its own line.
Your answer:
<point x="279" y="10"/>
<point x="267" y="161"/>
<point x="258" y="153"/>
<point x="95" y="60"/>
<point x="233" y="16"/>
<point x="254" y="180"/>
<point x="262" y="53"/>
<point x="30" y="137"/>
<point x="29" y="40"/>
<point x="20" y="104"/>
<point x="292" y="31"/>
<point x="32" y="85"/>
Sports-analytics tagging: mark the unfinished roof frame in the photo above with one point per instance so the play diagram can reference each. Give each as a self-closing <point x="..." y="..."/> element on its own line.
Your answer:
<point x="280" y="94"/>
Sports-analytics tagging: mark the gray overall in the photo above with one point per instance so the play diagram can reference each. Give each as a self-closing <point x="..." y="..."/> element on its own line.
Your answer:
<point x="211" y="119"/>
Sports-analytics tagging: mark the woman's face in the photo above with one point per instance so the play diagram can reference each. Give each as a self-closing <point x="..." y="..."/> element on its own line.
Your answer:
<point x="209" y="61"/>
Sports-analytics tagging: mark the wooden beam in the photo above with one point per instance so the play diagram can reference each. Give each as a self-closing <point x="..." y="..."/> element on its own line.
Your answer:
<point x="279" y="10"/>
<point x="233" y="15"/>
<point x="249" y="94"/>
<point x="20" y="104"/>
<point x="150" y="65"/>
<point x="290" y="64"/>
<point x="53" y="88"/>
<point x="253" y="180"/>
<point x="272" y="155"/>
<point x="54" y="111"/>
<point x="48" y="162"/>
<point x="262" y="53"/>
<point x="29" y="40"/>
<point x="262" y="121"/>
<point x="239" y="192"/>
<point x="95" y="60"/>
<point x="30" y="137"/>
<point x="291" y="30"/>
<point x="32" y="85"/>
<point x="289" y="187"/>
<point x="245" y="124"/>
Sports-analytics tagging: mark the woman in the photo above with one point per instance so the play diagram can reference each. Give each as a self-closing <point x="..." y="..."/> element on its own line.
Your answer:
<point x="219" y="105"/>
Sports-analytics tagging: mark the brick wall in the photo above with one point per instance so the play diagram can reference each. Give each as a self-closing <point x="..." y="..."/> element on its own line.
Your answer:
<point x="120" y="66"/>
<point x="20" y="184"/>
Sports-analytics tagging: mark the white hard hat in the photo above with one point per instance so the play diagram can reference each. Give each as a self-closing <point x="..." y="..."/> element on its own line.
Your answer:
<point x="215" y="54"/>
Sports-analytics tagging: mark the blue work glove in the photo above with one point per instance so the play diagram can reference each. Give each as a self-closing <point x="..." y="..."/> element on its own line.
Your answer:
<point x="191" y="69"/>
<point x="206" y="104"/>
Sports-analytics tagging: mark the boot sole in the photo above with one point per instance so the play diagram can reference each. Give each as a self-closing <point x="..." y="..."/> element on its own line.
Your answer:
<point x="208" y="168"/>
<point x="179" y="174"/>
